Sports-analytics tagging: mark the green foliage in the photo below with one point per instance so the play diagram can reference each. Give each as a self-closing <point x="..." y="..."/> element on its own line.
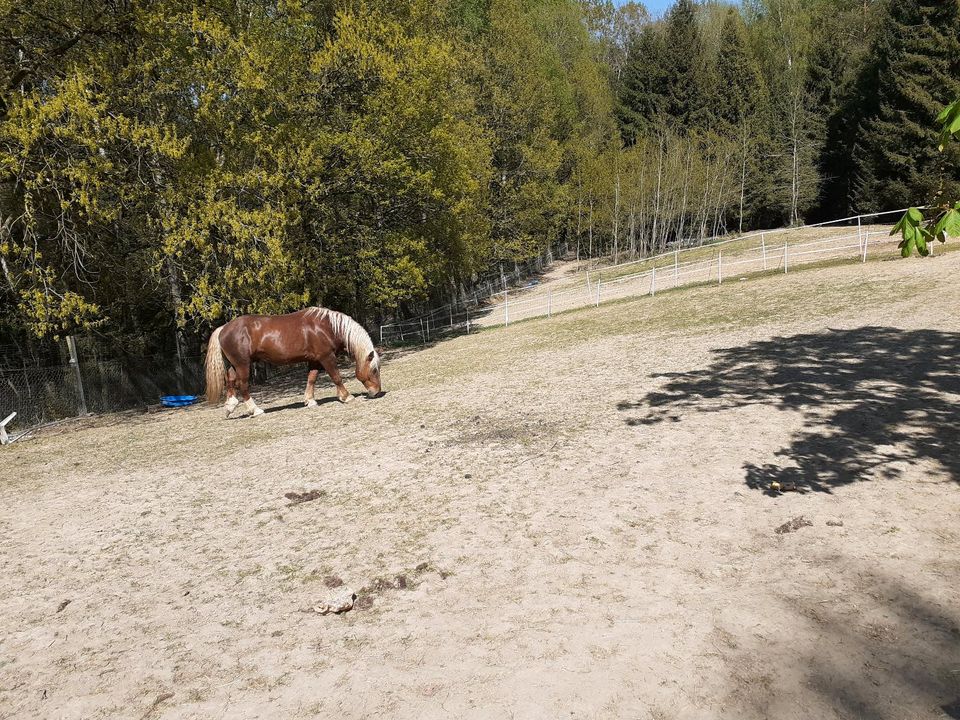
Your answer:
<point x="178" y="163"/>
<point x="165" y="166"/>
<point x="917" y="232"/>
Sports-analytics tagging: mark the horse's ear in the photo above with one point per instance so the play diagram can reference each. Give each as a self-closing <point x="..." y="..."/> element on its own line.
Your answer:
<point x="371" y="356"/>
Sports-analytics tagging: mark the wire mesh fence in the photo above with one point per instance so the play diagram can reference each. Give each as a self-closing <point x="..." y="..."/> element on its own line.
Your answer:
<point x="42" y="394"/>
<point x="850" y="239"/>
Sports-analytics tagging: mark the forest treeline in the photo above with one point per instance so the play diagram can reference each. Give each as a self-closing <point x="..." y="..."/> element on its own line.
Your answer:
<point x="168" y="165"/>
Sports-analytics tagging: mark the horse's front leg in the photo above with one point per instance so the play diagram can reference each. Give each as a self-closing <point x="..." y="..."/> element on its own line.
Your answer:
<point x="308" y="396"/>
<point x="329" y="363"/>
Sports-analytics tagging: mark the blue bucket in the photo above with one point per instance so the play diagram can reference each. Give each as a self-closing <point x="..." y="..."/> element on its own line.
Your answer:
<point x="178" y="400"/>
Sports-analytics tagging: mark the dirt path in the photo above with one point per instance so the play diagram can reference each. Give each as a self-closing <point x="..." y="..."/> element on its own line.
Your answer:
<point x="579" y="509"/>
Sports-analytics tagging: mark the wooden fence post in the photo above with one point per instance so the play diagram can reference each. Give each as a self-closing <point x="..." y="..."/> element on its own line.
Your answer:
<point x="75" y="363"/>
<point x="653" y="281"/>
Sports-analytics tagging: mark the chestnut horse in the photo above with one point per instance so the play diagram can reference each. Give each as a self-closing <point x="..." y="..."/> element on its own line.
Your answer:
<point x="314" y="336"/>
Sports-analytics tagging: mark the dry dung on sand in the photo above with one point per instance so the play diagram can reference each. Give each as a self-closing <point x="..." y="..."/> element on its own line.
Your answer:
<point x="793" y="525"/>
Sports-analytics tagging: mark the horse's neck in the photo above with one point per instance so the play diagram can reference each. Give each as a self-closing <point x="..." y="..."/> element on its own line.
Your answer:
<point x="329" y="330"/>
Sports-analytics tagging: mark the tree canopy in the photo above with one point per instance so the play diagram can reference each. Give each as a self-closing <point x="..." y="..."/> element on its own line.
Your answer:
<point x="166" y="166"/>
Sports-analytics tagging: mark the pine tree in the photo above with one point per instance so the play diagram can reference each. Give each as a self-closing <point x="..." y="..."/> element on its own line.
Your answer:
<point x="741" y="104"/>
<point x="914" y="73"/>
<point x="684" y="67"/>
<point x="642" y="101"/>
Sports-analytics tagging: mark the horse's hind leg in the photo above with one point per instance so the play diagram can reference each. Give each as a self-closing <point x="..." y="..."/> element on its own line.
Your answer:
<point x="308" y="396"/>
<point x="243" y="380"/>
<point x="232" y="401"/>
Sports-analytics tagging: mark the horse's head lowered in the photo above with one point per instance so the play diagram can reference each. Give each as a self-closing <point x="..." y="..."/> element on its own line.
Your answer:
<point x="368" y="372"/>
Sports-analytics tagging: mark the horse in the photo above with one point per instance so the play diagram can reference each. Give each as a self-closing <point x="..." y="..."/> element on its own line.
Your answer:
<point x="314" y="335"/>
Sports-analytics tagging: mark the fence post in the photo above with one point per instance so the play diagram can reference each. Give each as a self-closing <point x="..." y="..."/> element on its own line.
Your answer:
<point x="860" y="237"/>
<point x="719" y="267"/>
<point x="653" y="281"/>
<point x="866" y="241"/>
<point x="468" y="322"/>
<point x="676" y="265"/>
<point x="598" y="289"/>
<point x="763" y="248"/>
<point x="784" y="258"/>
<point x="74" y="362"/>
<point x="381" y="334"/>
<point x="506" y="309"/>
<point x="549" y="302"/>
<point x="423" y="335"/>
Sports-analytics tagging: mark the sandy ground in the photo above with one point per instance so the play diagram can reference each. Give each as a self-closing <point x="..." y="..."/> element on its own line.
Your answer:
<point x="580" y="510"/>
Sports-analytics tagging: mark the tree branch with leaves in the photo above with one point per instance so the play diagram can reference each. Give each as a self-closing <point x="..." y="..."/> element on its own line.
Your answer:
<point x="917" y="231"/>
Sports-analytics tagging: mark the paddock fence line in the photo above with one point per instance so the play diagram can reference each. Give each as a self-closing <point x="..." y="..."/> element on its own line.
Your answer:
<point x="41" y="395"/>
<point x="850" y="239"/>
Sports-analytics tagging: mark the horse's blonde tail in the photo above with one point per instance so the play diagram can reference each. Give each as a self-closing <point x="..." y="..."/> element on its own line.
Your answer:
<point x="216" y="368"/>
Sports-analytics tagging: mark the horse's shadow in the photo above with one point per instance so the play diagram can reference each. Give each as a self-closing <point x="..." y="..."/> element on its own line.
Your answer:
<point x="873" y="400"/>
<point x="298" y="405"/>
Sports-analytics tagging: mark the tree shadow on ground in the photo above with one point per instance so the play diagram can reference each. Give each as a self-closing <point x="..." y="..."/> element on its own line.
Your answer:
<point x="880" y="651"/>
<point x="873" y="398"/>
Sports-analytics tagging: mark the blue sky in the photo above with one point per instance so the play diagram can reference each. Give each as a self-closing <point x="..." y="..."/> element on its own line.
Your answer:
<point x="656" y="7"/>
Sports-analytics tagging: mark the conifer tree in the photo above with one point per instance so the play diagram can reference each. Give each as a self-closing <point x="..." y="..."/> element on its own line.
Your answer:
<point x="915" y="71"/>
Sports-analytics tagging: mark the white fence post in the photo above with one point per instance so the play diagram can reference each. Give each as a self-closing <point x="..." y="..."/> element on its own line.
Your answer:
<point x="381" y="334"/>
<point x="784" y="258"/>
<point x="719" y="267"/>
<point x="549" y="302"/>
<point x="763" y="248"/>
<point x="506" y="309"/>
<point x="72" y="346"/>
<point x="859" y="233"/>
<point x="866" y="241"/>
<point x="653" y="281"/>
<point x="598" y="290"/>
<point x="676" y="266"/>
<point x="423" y="335"/>
<point x="4" y="438"/>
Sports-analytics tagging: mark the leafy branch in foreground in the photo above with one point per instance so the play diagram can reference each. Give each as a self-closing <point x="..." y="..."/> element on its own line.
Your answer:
<point x="917" y="232"/>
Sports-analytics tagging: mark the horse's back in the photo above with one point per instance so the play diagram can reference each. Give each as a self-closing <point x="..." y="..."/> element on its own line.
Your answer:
<point x="279" y="339"/>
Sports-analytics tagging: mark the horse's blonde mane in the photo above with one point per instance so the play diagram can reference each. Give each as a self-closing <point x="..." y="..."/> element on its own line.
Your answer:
<point x="351" y="333"/>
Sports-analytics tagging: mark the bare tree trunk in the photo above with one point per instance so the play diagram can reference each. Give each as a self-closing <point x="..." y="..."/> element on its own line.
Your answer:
<point x="656" y="209"/>
<point x="743" y="172"/>
<point x="590" y="230"/>
<point x="616" y="215"/>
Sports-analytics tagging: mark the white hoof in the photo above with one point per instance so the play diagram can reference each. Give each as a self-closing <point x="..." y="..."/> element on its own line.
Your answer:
<point x="347" y="399"/>
<point x="257" y="412"/>
<point x="310" y="403"/>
